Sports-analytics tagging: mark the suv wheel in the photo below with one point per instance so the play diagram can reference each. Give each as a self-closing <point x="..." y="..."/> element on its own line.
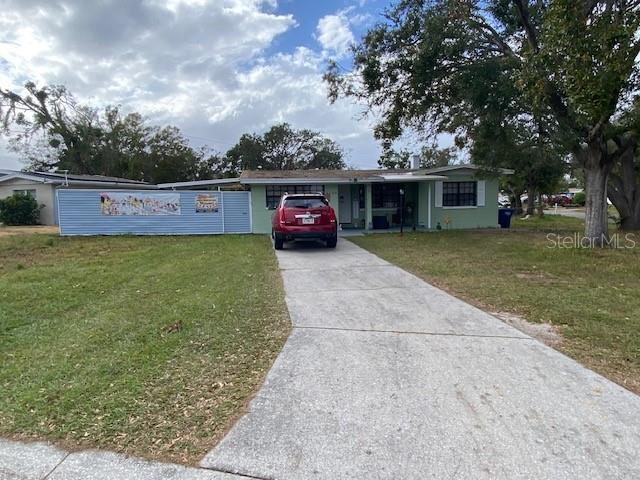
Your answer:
<point x="278" y="242"/>
<point x="332" y="241"/>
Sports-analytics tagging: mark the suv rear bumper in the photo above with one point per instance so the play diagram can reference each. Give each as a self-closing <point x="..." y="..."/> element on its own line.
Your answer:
<point x="291" y="232"/>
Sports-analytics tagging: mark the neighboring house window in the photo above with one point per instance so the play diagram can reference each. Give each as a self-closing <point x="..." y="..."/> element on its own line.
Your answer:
<point x="275" y="192"/>
<point x="385" y="195"/>
<point x="31" y="193"/>
<point x="459" y="194"/>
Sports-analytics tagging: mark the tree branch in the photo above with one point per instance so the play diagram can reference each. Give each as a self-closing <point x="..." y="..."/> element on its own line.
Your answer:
<point x="523" y="12"/>
<point x="492" y="35"/>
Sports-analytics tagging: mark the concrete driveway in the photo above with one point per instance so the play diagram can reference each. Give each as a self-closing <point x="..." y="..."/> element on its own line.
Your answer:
<point x="387" y="377"/>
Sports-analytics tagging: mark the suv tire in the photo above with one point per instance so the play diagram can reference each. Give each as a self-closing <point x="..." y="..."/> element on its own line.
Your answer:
<point x="278" y="242"/>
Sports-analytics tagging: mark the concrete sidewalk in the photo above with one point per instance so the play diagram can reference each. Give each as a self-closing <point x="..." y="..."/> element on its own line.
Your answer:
<point x="387" y="377"/>
<point x="42" y="461"/>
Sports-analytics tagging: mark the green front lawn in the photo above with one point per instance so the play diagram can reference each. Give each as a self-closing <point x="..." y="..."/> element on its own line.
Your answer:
<point x="590" y="295"/>
<point x="145" y="345"/>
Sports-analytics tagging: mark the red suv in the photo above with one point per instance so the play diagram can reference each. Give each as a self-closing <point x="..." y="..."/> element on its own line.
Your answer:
<point x="307" y="215"/>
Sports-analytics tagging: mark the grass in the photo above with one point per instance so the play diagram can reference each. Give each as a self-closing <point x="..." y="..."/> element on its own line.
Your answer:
<point x="89" y="355"/>
<point x="7" y="230"/>
<point x="590" y="295"/>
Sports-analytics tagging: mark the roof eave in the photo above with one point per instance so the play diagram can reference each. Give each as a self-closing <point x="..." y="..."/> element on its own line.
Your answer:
<point x="343" y="181"/>
<point x="61" y="182"/>
<point x="306" y="181"/>
<point x="195" y="183"/>
<point x="450" y="168"/>
<point x="413" y="178"/>
<point x="131" y="186"/>
<point x="22" y="176"/>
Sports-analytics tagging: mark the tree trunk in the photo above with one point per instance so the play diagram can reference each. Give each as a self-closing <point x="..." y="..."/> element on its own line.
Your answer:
<point x="596" y="174"/>
<point x="624" y="191"/>
<point x="531" y="202"/>
<point x="632" y="222"/>
<point x="517" y="203"/>
<point x="540" y="206"/>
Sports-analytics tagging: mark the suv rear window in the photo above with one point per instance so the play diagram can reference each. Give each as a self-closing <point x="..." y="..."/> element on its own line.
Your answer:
<point x="305" y="202"/>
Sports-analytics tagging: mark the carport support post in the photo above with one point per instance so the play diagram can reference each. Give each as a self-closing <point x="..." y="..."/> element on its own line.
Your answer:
<point x="368" y="215"/>
<point x="401" y="211"/>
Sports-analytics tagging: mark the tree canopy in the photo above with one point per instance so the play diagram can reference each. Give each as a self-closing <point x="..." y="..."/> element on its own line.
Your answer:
<point x="284" y="148"/>
<point x="430" y="155"/>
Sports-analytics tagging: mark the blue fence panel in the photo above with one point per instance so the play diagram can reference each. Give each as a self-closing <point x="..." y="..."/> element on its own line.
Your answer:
<point x="237" y="212"/>
<point x="80" y="213"/>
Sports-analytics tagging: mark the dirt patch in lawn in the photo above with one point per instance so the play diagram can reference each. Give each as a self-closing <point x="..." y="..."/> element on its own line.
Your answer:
<point x="544" y="332"/>
<point x="531" y="276"/>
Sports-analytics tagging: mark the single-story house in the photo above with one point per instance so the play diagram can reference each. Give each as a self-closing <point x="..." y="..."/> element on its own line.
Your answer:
<point x="43" y="185"/>
<point x="446" y="197"/>
<point x="450" y="197"/>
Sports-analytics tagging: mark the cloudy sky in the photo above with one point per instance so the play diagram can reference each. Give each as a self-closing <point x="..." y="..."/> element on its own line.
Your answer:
<point x="214" y="68"/>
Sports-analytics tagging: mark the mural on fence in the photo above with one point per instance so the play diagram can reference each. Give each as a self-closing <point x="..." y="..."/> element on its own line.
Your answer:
<point x="206" y="203"/>
<point x="139" y="203"/>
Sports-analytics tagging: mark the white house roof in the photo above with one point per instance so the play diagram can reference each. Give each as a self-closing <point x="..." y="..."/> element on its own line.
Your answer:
<point x="414" y="177"/>
<point x="62" y="179"/>
<point x="302" y="177"/>
<point x="465" y="166"/>
<point x="199" y="183"/>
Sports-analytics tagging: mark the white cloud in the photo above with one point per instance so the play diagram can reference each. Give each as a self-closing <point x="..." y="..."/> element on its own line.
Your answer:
<point x="196" y="64"/>
<point x="334" y="34"/>
<point x="8" y="159"/>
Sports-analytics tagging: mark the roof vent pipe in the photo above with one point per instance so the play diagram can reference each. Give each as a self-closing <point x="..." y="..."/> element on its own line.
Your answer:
<point x="415" y="162"/>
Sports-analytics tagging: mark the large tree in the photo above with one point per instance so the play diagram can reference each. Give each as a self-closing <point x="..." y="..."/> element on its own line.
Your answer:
<point x="537" y="164"/>
<point x="52" y="118"/>
<point x="573" y="63"/>
<point x="284" y="148"/>
<point x="53" y="131"/>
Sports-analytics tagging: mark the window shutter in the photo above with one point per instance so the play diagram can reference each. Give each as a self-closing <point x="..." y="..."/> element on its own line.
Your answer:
<point x="481" y="193"/>
<point x="439" y="194"/>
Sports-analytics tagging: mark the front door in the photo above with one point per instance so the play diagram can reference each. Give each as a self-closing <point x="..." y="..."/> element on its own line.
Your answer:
<point x="344" y="204"/>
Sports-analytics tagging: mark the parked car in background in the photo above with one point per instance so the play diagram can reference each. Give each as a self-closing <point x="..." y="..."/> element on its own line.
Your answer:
<point x="562" y="200"/>
<point x="304" y="216"/>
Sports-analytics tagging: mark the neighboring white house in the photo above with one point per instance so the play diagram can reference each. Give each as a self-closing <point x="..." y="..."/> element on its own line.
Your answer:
<point x="42" y="186"/>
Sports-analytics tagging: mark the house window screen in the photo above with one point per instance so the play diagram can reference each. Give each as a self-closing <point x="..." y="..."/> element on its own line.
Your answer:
<point x="275" y="192"/>
<point x="459" y="194"/>
<point x="385" y="196"/>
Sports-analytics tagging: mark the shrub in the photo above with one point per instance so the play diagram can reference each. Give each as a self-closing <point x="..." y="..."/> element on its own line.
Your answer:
<point x="19" y="209"/>
<point x="580" y="198"/>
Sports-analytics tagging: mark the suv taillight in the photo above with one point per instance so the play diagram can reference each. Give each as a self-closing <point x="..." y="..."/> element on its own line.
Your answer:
<point x="282" y="220"/>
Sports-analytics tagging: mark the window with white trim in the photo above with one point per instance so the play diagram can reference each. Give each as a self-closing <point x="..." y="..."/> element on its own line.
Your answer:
<point x="274" y="192"/>
<point x="459" y="194"/>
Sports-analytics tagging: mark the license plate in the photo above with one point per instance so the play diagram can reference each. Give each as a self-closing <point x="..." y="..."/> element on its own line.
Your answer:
<point x="308" y="221"/>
